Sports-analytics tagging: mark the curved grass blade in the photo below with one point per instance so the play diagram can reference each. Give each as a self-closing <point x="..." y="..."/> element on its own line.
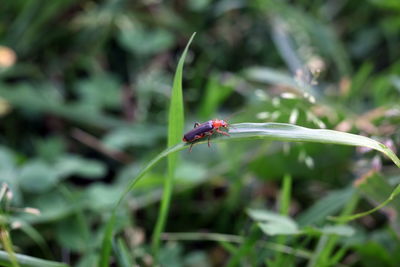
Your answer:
<point x="175" y="129"/>
<point x="290" y="132"/>
<point x="8" y="246"/>
<point x="248" y="131"/>
<point x="28" y="261"/>
<point x="343" y="219"/>
<point x="107" y="239"/>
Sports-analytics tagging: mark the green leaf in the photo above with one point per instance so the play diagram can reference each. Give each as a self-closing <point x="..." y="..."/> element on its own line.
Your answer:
<point x="37" y="177"/>
<point x="326" y="206"/>
<point x="102" y="91"/>
<point x="44" y="99"/>
<point x="9" y="173"/>
<point x="88" y="259"/>
<point x="133" y="135"/>
<point x="50" y="148"/>
<point x="69" y="235"/>
<point x="53" y="206"/>
<point x="75" y="165"/>
<point x="101" y="197"/>
<point x="273" y="223"/>
<point x="7" y="159"/>
<point x="376" y="254"/>
<point x="271" y="76"/>
<point x="172" y="255"/>
<point x="142" y="41"/>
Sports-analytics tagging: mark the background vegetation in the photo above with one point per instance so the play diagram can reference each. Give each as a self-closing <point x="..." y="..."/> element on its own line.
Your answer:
<point x="85" y="90"/>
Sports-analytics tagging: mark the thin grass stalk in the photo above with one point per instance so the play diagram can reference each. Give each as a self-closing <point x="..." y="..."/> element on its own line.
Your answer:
<point x="175" y="129"/>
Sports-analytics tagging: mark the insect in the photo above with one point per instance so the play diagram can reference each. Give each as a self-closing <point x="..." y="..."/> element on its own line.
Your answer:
<point x="204" y="129"/>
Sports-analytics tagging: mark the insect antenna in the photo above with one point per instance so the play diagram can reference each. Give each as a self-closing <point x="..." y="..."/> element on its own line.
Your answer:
<point x="231" y="115"/>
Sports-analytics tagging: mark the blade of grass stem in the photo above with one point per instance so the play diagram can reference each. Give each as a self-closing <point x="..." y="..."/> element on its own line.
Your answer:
<point x="107" y="239"/>
<point x="123" y="255"/>
<point x="7" y="245"/>
<point x="203" y="237"/>
<point x="343" y="219"/>
<point x="320" y="246"/>
<point x="284" y="205"/>
<point x="246" y="247"/>
<point x="326" y="257"/>
<point x="34" y="234"/>
<point x="227" y="240"/>
<point x="284" y="198"/>
<point x="230" y="248"/>
<point x="175" y="129"/>
<point x="290" y="132"/>
<point x="28" y="261"/>
<point x="249" y="131"/>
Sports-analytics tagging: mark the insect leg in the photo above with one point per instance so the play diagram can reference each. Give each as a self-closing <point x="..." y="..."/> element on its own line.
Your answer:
<point x="222" y="132"/>
<point x="196" y="124"/>
<point x="190" y="148"/>
<point x="209" y="137"/>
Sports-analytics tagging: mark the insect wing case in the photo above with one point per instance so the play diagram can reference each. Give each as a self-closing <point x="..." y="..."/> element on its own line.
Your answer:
<point x="197" y="132"/>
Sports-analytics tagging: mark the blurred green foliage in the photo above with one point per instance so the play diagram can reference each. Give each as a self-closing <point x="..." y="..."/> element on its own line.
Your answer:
<point x="84" y="94"/>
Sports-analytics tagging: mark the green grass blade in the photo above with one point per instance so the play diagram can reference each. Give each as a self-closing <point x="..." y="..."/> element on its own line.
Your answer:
<point x="8" y="246"/>
<point x="289" y="132"/>
<point x="176" y="116"/>
<point x="246" y="247"/>
<point x="175" y="130"/>
<point x="277" y="132"/>
<point x="27" y="261"/>
<point x="285" y="195"/>
<point x="107" y="239"/>
<point x="329" y="256"/>
<point x="342" y="219"/>
<point x="216" y="92"/>
<point x="330" y="204"/>
<point x="320" y="246"/>
<point x="248" y="131"/>
<point x="149" y="166"/>
<point x="34" y="234"/>
<point x="123" y="254"/>
<point x="174" y="135"/>
<point x="284" y="208"/>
